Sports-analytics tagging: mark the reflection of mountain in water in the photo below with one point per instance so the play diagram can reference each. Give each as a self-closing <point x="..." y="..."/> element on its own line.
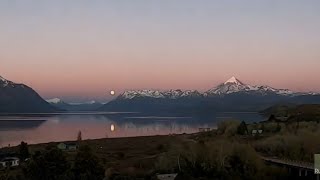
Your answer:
<point x="61" y="127"/>
<point x="141" y="124"/>
<point x="143" y="118"/>
<point x="7" y="125"/>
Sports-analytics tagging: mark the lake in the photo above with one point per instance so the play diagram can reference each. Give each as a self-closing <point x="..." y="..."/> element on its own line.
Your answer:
<point x="42" y="128"/>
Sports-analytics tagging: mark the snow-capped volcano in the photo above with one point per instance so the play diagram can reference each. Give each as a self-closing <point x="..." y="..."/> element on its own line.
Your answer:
<point x="233" y="85"/>
<point x="233" y="80"/>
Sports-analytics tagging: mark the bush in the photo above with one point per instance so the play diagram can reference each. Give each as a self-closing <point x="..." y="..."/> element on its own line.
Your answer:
<point x="301" y="145"/>
<point x="216" y="160"/>
<point x="87" y="165"/>
<point x="51" y="165"/>
<point x="242" y="128"/>
<point x="245" y="163"/>
<point x="23" y="151"/>
<point x="228" y="127"/>
<point x="166" y="163"/>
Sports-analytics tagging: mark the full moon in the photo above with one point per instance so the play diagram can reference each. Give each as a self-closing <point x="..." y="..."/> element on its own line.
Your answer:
<point x="112" y="92"/>
<point x="112" y="128"/>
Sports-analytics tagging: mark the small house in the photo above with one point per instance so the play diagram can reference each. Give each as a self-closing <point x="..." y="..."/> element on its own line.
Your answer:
<point x="166" y="176"/>
<point x="10" y="162"/>
<point x="256" y="132"/>
<point x="67" y="146"/>
<point x="204" y="129"/>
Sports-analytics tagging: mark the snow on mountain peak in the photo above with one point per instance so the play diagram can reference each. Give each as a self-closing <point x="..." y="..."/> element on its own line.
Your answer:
<point x="4" y="82"/>
<point x="91" y="102"/>
<point x="169" y="94"/>
<point x="191" y="93"/>
<point x="82" y="103"/>
<point x="2" y="79"/>
<point x="173" y="94"/>
<point x="141" y="93"/>
<point x="54" y="100"/>
<point x="233" y="80"/>
<point x="233" y="85"/>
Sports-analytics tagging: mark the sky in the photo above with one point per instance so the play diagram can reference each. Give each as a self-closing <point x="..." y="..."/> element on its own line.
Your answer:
<point x="80" y="50"/>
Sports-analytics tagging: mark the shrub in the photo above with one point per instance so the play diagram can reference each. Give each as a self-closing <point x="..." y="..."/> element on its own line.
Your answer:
<point x="23" y="151"/>
<point x="301" y="145"/>
<point x="51" y="165"/>
<point x="228" y="127"/>
<point x="216" y="160"/>
<point x="87" y="165"/>
<point x="242" y="128"/>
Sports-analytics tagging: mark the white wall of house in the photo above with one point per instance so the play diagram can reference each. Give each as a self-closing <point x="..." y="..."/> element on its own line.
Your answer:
<point x="10" y="163"/>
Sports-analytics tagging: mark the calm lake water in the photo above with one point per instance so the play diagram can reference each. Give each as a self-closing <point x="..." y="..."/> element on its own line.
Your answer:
<point x="41" y="128"/>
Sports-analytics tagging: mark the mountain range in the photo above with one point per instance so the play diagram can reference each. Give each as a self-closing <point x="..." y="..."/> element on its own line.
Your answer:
<point x="231" y="86"/>
<point x="232" y="95"/>
<point x="86" y="106"/>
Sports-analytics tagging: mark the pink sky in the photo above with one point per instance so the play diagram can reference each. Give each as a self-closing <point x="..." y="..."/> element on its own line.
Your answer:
<point x="81" y="51"/>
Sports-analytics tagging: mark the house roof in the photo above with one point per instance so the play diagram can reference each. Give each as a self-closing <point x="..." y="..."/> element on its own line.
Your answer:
<point x="69" y="144"/>
<point x="166" y="176"/>
<point x="7" y="159"/>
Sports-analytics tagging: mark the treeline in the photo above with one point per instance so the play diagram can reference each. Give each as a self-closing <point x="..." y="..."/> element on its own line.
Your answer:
<point x="285" y="140"/>
<point x="53" y="164"/>
<point x="233" y="152"/>
<point x="220" y="159"/>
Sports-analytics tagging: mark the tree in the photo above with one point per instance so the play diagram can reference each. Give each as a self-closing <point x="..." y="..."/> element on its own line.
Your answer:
<point x="278" y="129"/>
<point x="79" y="136"/>
<point x="87" y="165"/>
<point x="23" y="151"/>
<point x="272" y="118"/>
<point x="242" y="128"/>
<point x="50" y="165"/>
<point x="228" y="127"/>
<point x="262" y="127"/>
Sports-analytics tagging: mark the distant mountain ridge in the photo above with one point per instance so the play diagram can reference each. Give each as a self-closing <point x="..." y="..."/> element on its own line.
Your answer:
<point x="19" y="98"/>
<point x="86" y="106"/>
<point x="232" y="95"/>
<point x="170" y="94"/>
<point x="232" y="85"/>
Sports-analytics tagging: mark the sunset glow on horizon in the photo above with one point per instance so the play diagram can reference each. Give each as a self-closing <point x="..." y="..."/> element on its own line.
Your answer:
<point x="89" y="49"/>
